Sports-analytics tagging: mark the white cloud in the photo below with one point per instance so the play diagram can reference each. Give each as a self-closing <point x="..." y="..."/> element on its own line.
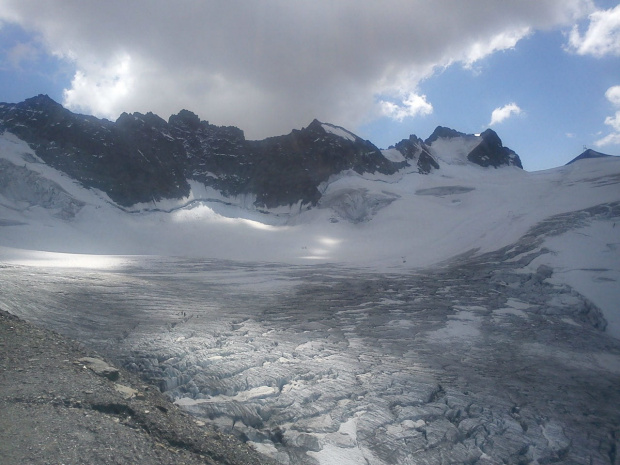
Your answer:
<point x="609" y="139"/>
<point x="502" y="41"/>
<point x="101" y="89"/>
<point x="613" y="95"/>
<point x="602" y="37"/>
<point x="614" y="122"/>
<point x="271" y="66"/>
<point x="412" y="105"/>
<point x="502" y="113"/>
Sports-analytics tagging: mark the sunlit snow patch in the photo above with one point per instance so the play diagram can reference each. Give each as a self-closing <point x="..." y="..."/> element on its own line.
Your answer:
<point x="201" y="212"/>
<point x="454" y="150"/>
<point x="514" y="308"/>
<point x="322" y="249"/>
<point x="462" y="326"/>
<point x="61" y="260"/>
<point x="342" y="447"/>
<point x="338" y="131"/>
<point x="393" y="155"/>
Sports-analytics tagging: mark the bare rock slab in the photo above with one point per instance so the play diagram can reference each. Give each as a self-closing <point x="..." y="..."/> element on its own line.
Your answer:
<point x="100" y="368"/>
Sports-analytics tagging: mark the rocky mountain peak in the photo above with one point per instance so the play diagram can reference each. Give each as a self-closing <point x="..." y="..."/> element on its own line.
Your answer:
<point x="588" y="153"/>
<point x="315" y="126"/>
<point x="491" y="137"/>
<point x="491" y="152"/>
<point x="41" y="101"/>
<point x="142" y="157"/>
<point x="38" y="99"/>
<point x="186" y="119"/>
<point x="416" y="150"/>
<point x="137" y="120"/>
<point x="443" y="132"/>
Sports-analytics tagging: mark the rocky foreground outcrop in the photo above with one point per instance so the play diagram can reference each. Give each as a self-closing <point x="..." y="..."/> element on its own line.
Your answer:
<point x="59" y="406"/>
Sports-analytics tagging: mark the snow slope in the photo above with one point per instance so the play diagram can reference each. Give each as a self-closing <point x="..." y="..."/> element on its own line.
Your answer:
<point x="381" y="222"/>
<point x="338" y="131"/>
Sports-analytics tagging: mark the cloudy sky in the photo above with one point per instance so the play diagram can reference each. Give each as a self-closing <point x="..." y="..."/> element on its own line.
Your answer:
<point x="544" y="74"/>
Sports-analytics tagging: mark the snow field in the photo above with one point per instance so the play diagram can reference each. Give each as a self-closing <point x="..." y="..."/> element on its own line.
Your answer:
<point x="384" y="223"/>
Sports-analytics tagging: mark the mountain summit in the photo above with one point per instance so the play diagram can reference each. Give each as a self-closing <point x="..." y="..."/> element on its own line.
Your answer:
<point x="587" y="154"/>
<point x="143" y="158"/>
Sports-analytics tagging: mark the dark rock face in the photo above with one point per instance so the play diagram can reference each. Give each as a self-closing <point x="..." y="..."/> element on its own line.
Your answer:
<point x="279" y="170"/>
<point x="491" y="152"/>
<point x="143" y="158"/>
<point x="133" y="160"/>
<point x="305" y="158"/>
<point x="216" y="156"/>
<point x="415" y="149"/>
<point x="443" y="132"/>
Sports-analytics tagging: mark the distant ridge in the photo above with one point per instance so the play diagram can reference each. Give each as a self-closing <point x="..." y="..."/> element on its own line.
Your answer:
<point x="142" y="158"/>
<point x="589" y="153"/>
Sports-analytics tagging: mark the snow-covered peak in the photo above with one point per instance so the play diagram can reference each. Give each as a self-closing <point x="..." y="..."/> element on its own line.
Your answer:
<point x="451" y="147"/>
<point x="588" y="154"/>
<point x="339" y="131"/>
<point x="454" y="150"/>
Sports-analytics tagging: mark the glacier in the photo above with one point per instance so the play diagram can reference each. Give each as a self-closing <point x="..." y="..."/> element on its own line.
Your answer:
<point x="466" y="316"/>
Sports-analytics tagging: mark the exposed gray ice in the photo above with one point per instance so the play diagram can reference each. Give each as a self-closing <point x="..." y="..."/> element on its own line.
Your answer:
<point x="444" y="190"/>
